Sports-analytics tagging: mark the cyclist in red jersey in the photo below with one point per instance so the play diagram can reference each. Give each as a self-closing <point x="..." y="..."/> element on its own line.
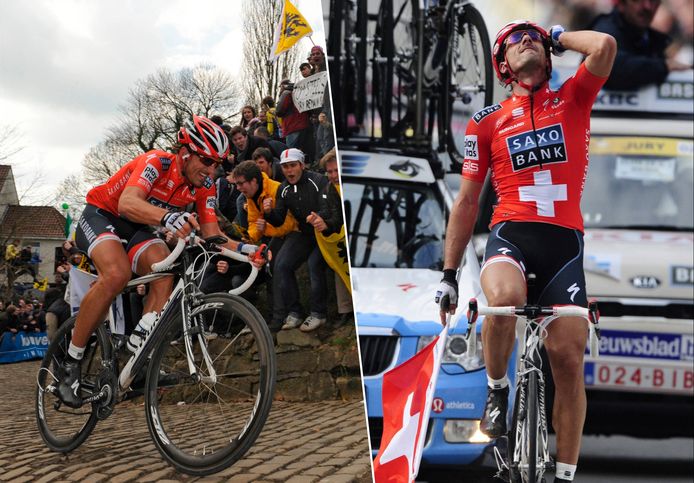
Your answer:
<point x="536" y="145"/>
<point x="150" y="190"/>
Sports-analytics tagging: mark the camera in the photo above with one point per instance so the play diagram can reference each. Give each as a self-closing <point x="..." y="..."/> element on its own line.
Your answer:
<point x="289" y="86"/>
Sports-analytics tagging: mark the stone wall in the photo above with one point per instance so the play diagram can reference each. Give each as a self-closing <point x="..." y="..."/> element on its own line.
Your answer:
<point x="318" y="365"/>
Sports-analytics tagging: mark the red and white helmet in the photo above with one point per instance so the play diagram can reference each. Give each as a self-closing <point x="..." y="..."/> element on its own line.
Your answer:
<point x="205" y="138"/>
<point x="499" y="50"/>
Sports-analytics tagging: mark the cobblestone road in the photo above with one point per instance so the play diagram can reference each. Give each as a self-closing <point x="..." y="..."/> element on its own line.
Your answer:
<point x="301" y="443"/>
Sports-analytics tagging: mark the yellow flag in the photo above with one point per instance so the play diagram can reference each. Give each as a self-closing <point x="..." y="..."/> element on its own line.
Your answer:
<point x="334" y="250"/>
<point x="291" y="27"/>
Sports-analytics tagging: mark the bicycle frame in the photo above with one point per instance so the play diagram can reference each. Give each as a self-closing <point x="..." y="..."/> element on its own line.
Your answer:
<point x="181" y="297"/>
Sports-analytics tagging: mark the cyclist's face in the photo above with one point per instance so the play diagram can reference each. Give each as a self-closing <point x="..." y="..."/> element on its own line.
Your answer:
<point x="526" y="51"/>
<point x="197" y="169"/>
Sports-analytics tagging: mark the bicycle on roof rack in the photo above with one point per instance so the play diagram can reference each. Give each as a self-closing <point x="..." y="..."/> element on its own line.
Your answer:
<point x="207" y="395"/>
<point x="429" y="68"/>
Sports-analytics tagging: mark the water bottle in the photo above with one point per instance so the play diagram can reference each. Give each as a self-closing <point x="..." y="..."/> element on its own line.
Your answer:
<point x="144" y="326"/>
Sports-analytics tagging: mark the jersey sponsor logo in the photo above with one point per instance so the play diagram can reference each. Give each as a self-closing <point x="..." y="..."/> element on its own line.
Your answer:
<point x="573" y="290"/>
<point x="470" y="167"/>
<point x="529" y="149"/>
<point x="511" y="127"/>
<point x="162" y="204"/>
<point x="517" y="112"/>
<point x="482" y="113"/>
<point x="165" y="163"/>
<point x="208" y="182"/>
<point x="471" y="151"/>
<point x="647" y="345"/>
<point x="149" y="174"/>
<point x="211" y="202"/>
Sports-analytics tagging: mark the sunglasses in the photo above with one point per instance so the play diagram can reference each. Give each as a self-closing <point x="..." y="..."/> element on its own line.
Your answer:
<point x="240" y="183"/>
<point x="208" y="161"/>
<point x="517" y="36"/>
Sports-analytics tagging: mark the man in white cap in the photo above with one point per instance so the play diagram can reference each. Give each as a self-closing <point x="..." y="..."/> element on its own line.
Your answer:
<point x="301" y="194"/>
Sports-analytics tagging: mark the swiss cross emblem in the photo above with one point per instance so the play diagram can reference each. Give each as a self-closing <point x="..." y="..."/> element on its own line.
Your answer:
<point x="543" y="193"/>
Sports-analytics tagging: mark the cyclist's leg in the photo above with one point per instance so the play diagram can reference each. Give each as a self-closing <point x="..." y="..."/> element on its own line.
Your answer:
<point x="145" y="249"/>
<point x="565" y="343"/>
<point x="503" y="283"/>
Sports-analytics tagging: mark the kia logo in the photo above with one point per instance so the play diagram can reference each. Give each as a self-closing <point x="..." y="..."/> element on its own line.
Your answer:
<point x="645" y="281"/>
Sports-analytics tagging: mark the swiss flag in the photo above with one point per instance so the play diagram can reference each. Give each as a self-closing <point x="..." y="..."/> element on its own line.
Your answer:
<point x="408" y="390"/>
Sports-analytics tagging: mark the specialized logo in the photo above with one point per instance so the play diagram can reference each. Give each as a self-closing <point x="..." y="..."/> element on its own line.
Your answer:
<point x="494" y="414"/>
<point x="543" y="193"/>
<point x="437" y="405"/>
<point x="544" y="146"/>
<point x="406" y="169"/>
<point x="482" y="113"/>
<point x="504" y="250"/>
<point x="471" y="151"/>
<point x="149" y="174"/>
<point x="645" y="281"/>
<point x="573" y="290"/>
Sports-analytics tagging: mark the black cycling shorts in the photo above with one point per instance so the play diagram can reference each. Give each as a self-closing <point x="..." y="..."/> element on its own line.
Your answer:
<point x="97" y="225"/>
<point x="553" y="253"/>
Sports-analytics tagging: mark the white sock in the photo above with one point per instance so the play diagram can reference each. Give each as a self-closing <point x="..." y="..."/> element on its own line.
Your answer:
<point x="75" y="352"/>
<point x="564" y="471"/>
<point x="497" y="383"/>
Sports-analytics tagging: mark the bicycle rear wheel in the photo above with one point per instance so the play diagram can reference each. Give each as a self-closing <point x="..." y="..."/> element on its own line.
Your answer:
<point x="468" y="77"/>
<point x="61" y="427"/>
<point x="201" y="425"/>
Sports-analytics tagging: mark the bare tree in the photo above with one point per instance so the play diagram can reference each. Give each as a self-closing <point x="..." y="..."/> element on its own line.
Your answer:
<point x="150" y="118"/>
<point x="10" y="142"/>
<point x="260" y="77"/>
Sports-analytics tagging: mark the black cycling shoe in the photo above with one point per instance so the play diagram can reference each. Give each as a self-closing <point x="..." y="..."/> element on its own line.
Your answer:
<point x="69" y="385"/>
<point x="493" y="422"/>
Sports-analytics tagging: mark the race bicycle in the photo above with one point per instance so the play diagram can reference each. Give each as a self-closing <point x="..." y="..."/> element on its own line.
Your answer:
<point x="207" y="395"/>
<point x="428" y="65"/>
<point x="528" y="442"/>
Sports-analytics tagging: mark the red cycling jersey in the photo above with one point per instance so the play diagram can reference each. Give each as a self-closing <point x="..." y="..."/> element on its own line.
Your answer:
<point x="156" y="173"/>
<point x="542" y="183"/>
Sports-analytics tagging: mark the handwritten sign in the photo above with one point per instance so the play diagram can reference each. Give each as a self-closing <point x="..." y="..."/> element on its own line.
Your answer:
<point x="308" y="93"/>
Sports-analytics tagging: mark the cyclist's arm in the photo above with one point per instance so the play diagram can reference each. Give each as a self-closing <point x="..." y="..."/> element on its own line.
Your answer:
<point x="461" y="222"/>
<point x="133" y="205"/>
<point x="599" y="48"/>
<point x="212" y="229"/>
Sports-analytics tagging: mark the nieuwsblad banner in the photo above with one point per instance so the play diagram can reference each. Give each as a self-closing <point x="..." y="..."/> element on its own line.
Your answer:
<point x="22" y="347"/>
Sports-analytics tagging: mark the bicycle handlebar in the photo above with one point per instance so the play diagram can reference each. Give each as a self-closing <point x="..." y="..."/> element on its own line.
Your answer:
<point x="166" y="263"/>
<point x="530" y="311"/>
<point x="180" y="245"/>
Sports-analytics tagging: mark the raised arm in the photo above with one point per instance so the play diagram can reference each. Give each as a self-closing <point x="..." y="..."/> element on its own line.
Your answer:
<point x="599" y="49"/>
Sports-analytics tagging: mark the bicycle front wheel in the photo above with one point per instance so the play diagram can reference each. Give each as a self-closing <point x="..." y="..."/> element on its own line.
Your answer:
<point x="63" y="428"/>
<point x="523" y="448"/>
<point x="204" y="420"/>
<point x="468" y="76"/>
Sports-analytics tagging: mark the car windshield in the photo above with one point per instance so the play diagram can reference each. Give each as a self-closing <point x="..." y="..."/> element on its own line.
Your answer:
<point x="393" y="225"/>
<point x="639" y="182"/>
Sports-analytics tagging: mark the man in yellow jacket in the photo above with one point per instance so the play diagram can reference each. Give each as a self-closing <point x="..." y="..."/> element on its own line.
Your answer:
<point x="256" y="186"/>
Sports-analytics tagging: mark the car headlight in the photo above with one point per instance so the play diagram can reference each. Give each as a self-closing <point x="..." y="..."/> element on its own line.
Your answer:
<point x="456" y="351"/>
<point x="464" y="431"/>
